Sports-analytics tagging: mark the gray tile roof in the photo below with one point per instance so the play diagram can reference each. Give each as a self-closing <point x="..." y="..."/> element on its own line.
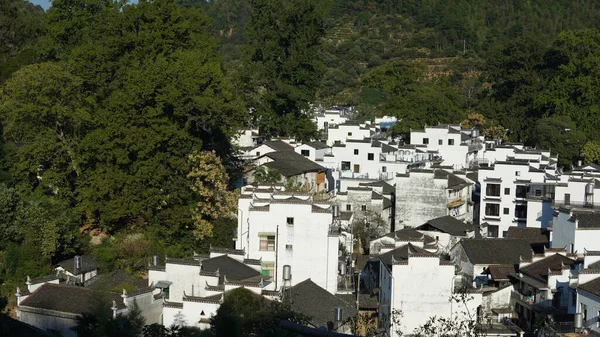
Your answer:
<point x="387" y="188"/>
<point x="311" y="300"/>
<point x="398" y="254"/>
<point x="87" y="264"/>
<point x="231" y="268"/>
<point x="588" y="220"/>
<point x="290" y="163"/>
<point x="69" y="299"/>
<point x="535" y="236"/>
<point x="447" y="224"/>
<point x="110" y="281"/>
<point x="496" y="251"/>
<point x="539" y="269"/>
<point x="317" y="145"/>
<point x="278" y="145"/>
<point x="592" y="287"/>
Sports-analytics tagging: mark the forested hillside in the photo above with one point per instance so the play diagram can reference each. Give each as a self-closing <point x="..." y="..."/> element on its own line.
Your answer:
<point x="116" y="118"/>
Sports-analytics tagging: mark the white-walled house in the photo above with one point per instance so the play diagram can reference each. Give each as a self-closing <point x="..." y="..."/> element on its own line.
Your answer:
<point x="576" y="230"/>
<point x="247" y="138"/>
<point x="588" y="292"/>
<point x="506" y="188"/>
<point x="53" y="307"/>
<point x="474" y="256"/>
<point x="78" y="270"/>
<point x="294" y="168"/>
<point x="289" y="228"/>
<point x="315" y="151"/>
<point x="457" y="146"/>
<point x="340" y="134"/>
<point x="422" y="195"/>
<point x="330" y="117"/>
<point x="422" y="286"/>
<point x="447" y="231"/>
<point x="543" y="285"/>
<point x="193" y="290"/>
<point x="364" y="202"/>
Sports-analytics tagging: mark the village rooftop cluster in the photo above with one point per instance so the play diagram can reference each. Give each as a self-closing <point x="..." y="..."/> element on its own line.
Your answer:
<point x="358" y="223"/>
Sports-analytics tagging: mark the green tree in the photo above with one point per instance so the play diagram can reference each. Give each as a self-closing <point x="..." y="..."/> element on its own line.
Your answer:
<point x="572" y="90"/>
<point x="560" y="135"/>
<point x="516" y="72"/>
<point x="591" y="152"/>
<point x="244" y="313"/>
<point x="284" y="66"/>
<point x="21" y="26"/>
<point x="264" y="174"/>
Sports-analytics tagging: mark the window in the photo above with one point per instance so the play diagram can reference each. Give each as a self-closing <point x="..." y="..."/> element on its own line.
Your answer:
<point x="425" y="141"/>
<point x="492" y="209"/>
<point x="337" y="142"/>
<point x="305" y="153"/>
<point x="383" y="169"/>
<point x="165" y="292"/>
<point x="567" y="199"/>
<point x="257" y="153"/>
<point x="345" y="165"/>
<point x="521" y="191"/>
<point x="492" y="190"/>
<point x="356" y="151"/>
<point x="289" y="247"/>
<point x="492" y="231"/>
<point x="440" y="142"/>
<point x="348" y="207"/>
<point x="268" y="269"/>
<point x="290" y="221"/>
<point x="506" y="210"/>
<point x="506" y="191"/>
<point x="521" y="211"/>
<point x="583" y="310"/>
<point x="363" y="208"/>
<point x="450" y="141"/>
<point x="349" y="133"/>
<point x="370" y="156"/>
<point x="267" y="242"/>
<point x="517" y="173"/>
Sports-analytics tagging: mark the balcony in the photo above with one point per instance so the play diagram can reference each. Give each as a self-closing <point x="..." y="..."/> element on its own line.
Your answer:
<point x="529" y="301"/>
<point x="456" y="202"/>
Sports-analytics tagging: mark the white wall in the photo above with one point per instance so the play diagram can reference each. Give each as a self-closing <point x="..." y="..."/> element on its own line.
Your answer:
<point x="421" y="289"/>
<point x="592" y="302"/>
<point x="313" y="253"/>
<point x="563" y="231"/>
<point x="48" y="320"/>
<point x="419" y="198"/>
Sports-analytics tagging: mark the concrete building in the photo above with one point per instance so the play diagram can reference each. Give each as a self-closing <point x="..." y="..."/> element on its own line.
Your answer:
<point x="422" y="287"/>
<point x="367" y="201"/>
<point x="281" y="228"/>
<point x="458" y="147"/>
<point x="576" y="230"/>
<point x="506" y="189"/>
<point x="341" y="133"/>
<point x="422" y="195"/>
<point x="331" y="117"/>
